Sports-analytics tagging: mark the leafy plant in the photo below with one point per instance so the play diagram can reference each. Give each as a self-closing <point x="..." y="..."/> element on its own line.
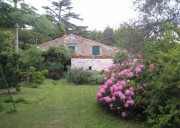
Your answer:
<point x="55" y="60"/>
<point x="36" y="77"/>
<point x="120" y="57"/>
<point x="82" y="76"/>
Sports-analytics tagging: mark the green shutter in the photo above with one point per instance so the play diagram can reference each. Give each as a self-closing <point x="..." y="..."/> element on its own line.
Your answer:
<point x="72" y="48"/>
<point x="95" y="50"/>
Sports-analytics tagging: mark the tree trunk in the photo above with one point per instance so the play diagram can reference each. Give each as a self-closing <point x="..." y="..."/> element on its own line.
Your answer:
<point x="16" y="41"/>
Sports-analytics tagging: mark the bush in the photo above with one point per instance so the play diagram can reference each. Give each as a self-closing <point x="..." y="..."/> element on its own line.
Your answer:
<point x="36" y="77"/>
<point x="82" y="76"/>
<point x="119" y="89"/>
<point x="56" y="58"/>
<point x="95" y="79"/>
<point x="8" y="100"/>
<point x="161" y="97"/>
<point x="120" y="57"/>
<point x="13" y="75"/>
<point x="78" y="76"/>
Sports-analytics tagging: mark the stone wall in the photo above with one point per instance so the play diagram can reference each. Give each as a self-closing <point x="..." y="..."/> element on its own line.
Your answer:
<point x="91" y="64"/>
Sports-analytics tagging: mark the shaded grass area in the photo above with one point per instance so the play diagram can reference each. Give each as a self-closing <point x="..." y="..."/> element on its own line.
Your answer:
<point x="57" y="104"/>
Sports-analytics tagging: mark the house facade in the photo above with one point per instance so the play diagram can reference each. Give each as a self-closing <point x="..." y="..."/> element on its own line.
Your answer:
<point x="88" y="54"/>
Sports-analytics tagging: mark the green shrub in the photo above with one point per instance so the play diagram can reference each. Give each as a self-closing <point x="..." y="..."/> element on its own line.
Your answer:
<point x="8" y="100"/>
<point x="161" y="96"/>
<point x="78" y="76"/>
<point x="12" y="74"/>
<point x="55" y="60"/>
<point x="120" y="57"/>
<point x="95" y="79"/>
<point x="82" y="76"/>
<point x="36" y="77"/>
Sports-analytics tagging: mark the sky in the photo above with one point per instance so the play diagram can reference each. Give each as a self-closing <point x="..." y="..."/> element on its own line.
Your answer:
<point x="96" y="14"/>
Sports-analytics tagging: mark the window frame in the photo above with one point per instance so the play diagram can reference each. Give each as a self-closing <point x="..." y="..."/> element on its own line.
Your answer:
<point x="70" y="47"/>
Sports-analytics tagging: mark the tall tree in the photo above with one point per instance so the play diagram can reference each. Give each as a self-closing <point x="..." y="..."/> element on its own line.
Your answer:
<point x="108" y="36"/>
<point x="155" y="12"/>
<point x="96" y="35"/>
<point x="61" y="11"/>
<point x="129" y="37"/>
<point x="19" y="17"/>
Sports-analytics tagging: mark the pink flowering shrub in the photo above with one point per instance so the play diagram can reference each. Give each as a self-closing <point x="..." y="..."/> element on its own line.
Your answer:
<point x="121" y="85"/>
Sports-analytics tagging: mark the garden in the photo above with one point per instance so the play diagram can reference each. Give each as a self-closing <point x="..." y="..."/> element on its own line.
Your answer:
<point x="142" y="91"/>
<point x="38" y="89"/>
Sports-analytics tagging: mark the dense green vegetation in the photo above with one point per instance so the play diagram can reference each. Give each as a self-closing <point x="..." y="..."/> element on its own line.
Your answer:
<point x="59" y="104"/>
<point x="80" y="76"/>
<point x="148" y="87"/>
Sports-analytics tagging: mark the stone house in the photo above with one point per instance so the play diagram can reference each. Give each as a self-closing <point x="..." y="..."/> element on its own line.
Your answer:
<point x="88" y="54"/>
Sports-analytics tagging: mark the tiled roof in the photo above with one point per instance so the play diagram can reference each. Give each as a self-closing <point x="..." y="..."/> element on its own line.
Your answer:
<point x="60" y="41"/>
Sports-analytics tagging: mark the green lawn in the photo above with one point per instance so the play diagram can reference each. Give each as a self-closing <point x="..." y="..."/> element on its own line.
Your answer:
<point x="57" y="104"/>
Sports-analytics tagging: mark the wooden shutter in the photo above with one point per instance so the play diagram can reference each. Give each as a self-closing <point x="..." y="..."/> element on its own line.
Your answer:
<point x="71" y="47"/>
<point x="95" y="50"/>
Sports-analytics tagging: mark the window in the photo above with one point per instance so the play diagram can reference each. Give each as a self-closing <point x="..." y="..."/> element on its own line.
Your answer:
<point x="95" y="50"/>
<point x="90" y="67"/>
<point x="72" y="47"/>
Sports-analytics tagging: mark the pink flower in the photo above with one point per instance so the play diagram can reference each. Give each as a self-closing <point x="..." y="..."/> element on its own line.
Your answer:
<point x="109" y="82"/>
<point x="99" y="94"/>
<point x="103" y="75"/>
<point x="120" y="74"/>
<point x="107" y="99"/>
<point x="131" y="102"/>
<point x="128" y="93"/>
<point x="151" y="66"/>
<point x="112" y="78"/>
<point x="113" y="75"/>
<point x="130" y="74"/>
<point x="111" y="106"/>
<point x="123" y="83"/>
<point x="107" y="70"/>
<point x="116" y="88"/>
<point x="141" y="66"/>
<point x="140" y="57"/>
<point x="102" y="91"/>
<point x="122" y="97"/>
<point x="113" y="98"/>
<point x="126" y="104"/>
<point x="138" y="70"/>
<point x="120" y="88"/>
<point x="123" y="114"/>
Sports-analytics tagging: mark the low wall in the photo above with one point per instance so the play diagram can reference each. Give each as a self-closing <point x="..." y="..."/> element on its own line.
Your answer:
<point x="91" y="64"/>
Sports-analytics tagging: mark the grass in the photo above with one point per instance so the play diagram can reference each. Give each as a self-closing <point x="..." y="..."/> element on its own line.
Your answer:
<point x="57" y="104"/>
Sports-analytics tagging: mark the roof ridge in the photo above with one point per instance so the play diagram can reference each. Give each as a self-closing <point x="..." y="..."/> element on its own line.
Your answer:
<point x="78" y="36"/>
<point x="93" y="41"/>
